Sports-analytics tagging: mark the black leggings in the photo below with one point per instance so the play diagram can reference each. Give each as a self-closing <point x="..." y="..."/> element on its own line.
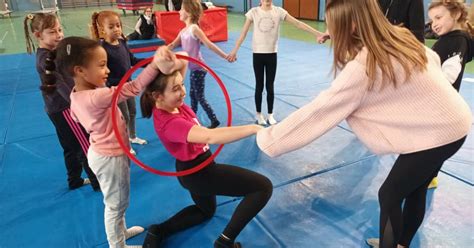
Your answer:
<point x="408" y="180"/>
<point x="75" y="143"/>
<point x="264" y="63"/>
<point x="219" y="179"/>
<point x="136" y="36"/>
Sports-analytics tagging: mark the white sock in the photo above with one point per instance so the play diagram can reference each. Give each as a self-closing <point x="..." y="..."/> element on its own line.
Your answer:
<point x="133" y="231"/>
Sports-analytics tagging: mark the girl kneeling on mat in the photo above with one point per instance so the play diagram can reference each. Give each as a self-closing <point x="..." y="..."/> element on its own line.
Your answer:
<point x="182" y="135"/>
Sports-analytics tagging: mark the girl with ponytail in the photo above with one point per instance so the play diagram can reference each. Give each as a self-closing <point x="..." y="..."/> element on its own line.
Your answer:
<point x="106" y="27"/>
<point x="455" y="45"/>
<point x="91" y="105"/>
<point x="56" y="88"/>
<point x="188" y="142"/>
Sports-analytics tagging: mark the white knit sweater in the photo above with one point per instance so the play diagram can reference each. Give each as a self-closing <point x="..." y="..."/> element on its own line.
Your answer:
<point x="423" y="112"/>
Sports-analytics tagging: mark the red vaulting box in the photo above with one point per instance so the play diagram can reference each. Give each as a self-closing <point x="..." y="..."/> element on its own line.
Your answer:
<point x="134" y="4"/>
<point x="213" y="23"/>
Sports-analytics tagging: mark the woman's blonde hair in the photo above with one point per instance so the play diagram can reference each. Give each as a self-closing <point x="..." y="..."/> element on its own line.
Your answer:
<point x="456" y="8"/>
<point x="354" y="24"/>
<point x="194" y="8"/>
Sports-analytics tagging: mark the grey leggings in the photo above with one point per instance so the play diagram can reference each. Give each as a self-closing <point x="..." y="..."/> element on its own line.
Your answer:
<point x="129" y="111"/>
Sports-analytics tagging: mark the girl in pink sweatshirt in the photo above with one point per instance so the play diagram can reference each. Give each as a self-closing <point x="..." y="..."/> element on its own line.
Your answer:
<point x="393" y="94"/>
<point x="91" y="105"/>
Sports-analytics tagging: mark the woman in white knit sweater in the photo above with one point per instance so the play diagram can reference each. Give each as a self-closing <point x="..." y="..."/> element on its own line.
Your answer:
<point x="392" y="92"/>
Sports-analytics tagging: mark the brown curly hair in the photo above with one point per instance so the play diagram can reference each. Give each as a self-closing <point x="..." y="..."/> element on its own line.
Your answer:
<point x="98" y="19"/>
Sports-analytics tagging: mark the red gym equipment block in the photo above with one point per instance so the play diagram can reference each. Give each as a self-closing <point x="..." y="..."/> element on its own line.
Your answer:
<point x="213" y="23"/>
<point x="134" y="4"/>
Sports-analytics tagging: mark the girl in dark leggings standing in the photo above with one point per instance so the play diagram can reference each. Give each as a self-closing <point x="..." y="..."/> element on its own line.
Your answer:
<point x="397" y="225"/>
<point x="182" y="135"/>
<point x="266" y="20"/>
<point x="56" y="86"/>
<point x="392" y="92"/>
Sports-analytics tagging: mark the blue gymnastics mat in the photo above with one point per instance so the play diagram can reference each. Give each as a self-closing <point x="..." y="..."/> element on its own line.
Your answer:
<point x="325" y="195"/>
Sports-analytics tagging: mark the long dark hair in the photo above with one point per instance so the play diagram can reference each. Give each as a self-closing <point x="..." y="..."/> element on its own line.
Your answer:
<point x="147" y="100"/>
<point x="48" y="79"/>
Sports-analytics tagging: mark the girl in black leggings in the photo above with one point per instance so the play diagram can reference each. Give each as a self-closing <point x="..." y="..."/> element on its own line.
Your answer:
<point x="266" y="19"/>
<point x="264" y="67"/>
<point x="408" y="180"/>
<point x="394" y="96"/>
<point x="182" y="135"/>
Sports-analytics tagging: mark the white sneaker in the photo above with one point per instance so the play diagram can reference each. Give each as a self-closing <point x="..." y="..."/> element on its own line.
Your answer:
<point x="133" y="152"/>
<point x="271" y="119"/>
<point x="261" y="120"/>
<point x="133" y="246"/>
<point x="373" y="242"/>
<point x="139" y="141"/>
<point x="133" y="231"/>
<point x="86" y="181"/>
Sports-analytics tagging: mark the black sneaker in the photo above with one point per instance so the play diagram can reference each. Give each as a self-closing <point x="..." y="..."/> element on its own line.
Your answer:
<point x="154" y="237"/>
<point x="220" y="244"/>
<point x="96" y="188"/>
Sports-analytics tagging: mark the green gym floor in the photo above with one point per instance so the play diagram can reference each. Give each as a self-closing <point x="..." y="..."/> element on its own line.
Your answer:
<point x="75" y="22"/>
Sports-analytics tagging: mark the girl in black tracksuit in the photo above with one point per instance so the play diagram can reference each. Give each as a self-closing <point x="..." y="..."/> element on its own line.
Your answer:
<point x="56" y="86"/>
<point x="454" y="45"/>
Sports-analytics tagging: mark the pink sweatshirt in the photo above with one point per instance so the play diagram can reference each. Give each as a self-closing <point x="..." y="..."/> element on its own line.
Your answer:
<point x="92" y="108"/>
<point x="422" y="113"/>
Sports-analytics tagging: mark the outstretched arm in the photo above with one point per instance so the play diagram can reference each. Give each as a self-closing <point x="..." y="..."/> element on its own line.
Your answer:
<point x="311" y="121"/>
<point x="176" y="42"/>
<point x="233" y="54"/>
<point x="303" y="26"/>
<point x="324" y="38"/>
<point x="198" y="33"/>
<point x="223" y="135"/>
